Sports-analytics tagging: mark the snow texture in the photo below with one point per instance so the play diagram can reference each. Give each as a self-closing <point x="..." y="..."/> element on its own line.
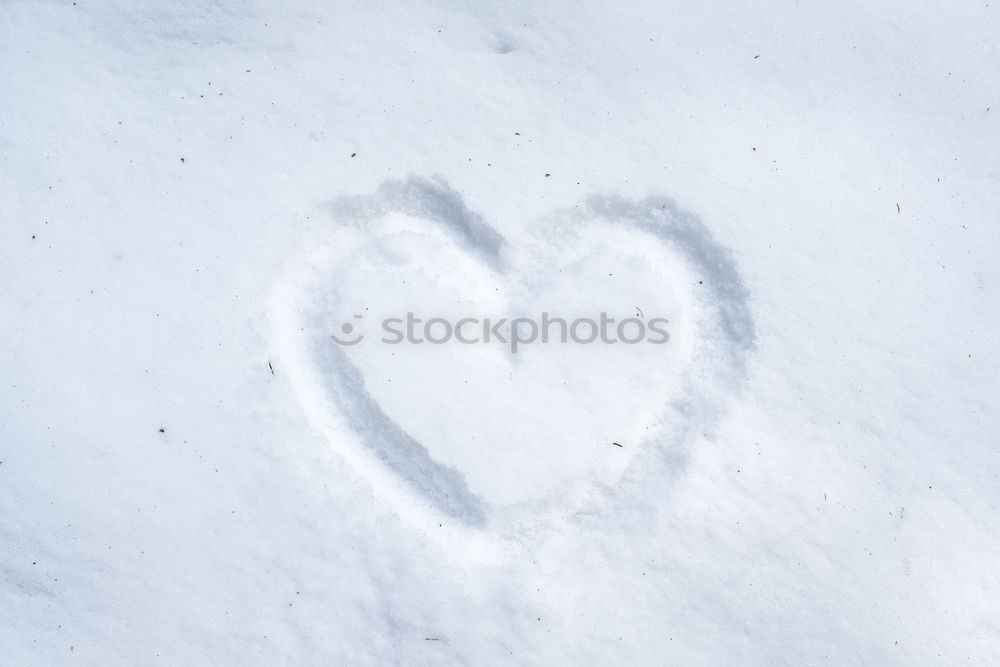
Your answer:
<point x="195" y="197"/>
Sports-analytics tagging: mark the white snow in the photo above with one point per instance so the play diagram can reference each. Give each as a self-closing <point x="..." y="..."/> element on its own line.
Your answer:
<point x="195" y="196"/>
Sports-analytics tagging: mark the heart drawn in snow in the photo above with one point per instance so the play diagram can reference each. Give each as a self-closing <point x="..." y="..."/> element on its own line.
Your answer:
<point x="478" y="435"/>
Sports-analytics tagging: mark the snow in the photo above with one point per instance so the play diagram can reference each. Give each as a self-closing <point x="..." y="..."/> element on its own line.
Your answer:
<point x="195" y="196"/>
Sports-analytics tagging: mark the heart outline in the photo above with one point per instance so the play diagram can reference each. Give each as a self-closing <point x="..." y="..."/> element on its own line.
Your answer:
<point x="432" y="494"/>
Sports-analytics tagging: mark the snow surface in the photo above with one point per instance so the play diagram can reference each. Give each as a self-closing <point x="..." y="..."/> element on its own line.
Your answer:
<point x="195" y="195"/>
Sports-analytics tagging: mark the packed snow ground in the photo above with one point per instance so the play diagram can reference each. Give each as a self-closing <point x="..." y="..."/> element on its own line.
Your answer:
<point x="194" y="195"/>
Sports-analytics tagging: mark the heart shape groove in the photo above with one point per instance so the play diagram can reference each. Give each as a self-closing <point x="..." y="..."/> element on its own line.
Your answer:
<point x="482" y="384"/>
